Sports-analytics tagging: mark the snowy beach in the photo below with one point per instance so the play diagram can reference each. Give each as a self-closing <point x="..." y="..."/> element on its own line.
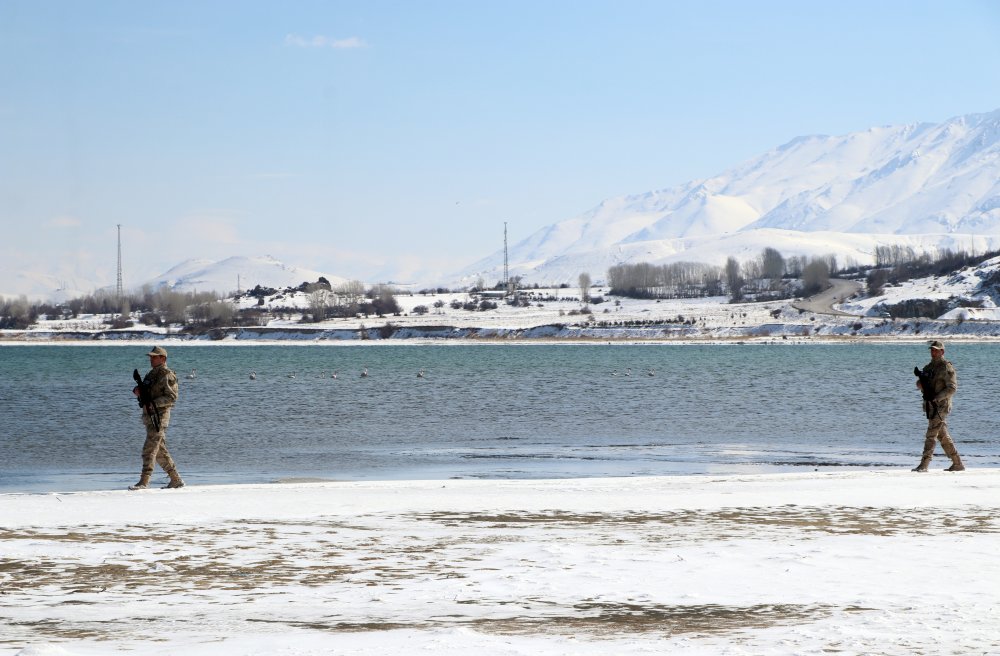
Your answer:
<point x="860" y="562"/>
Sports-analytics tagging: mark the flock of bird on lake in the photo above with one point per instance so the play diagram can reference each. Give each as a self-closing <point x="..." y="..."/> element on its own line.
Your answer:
<point x="420" y="374"/>
<point x="335" y="374"/>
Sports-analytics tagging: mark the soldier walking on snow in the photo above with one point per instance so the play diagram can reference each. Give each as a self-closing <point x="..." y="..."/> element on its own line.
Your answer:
<point x="159" y="391"/>
<point x="938" y="383"/>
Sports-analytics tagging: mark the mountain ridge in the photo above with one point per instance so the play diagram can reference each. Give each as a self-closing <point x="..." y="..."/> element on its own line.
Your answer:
<point x="235" y="272"/>
<point x="930" y="185"/>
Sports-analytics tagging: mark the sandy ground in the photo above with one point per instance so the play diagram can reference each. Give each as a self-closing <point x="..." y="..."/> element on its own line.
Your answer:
<point x="850" y="563"/>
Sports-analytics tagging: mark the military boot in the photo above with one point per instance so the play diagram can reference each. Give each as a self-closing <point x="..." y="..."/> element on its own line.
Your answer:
<point x="175" y="480"/>
<point x="925" y="457"/>
<point x="143" y="483"/>
<point x="952" y="452"/>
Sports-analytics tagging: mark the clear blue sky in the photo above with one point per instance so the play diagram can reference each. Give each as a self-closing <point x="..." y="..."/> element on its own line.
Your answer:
<point x="368" y="139"/>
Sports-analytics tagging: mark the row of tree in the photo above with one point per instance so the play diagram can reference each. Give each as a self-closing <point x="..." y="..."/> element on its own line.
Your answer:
<point x="773" y="275"/>
<point x="152" y="306"/>
<point x="674" y="280"/>
<point x="351" y="299"/>
<point x="896" y="264"/>
<point x="769" y="274"/>
<point x="202" y="310"/>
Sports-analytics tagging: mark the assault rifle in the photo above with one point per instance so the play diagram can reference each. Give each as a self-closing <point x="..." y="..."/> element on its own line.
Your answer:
<point x="927" y="390"/>
<point x="146" y="399"/>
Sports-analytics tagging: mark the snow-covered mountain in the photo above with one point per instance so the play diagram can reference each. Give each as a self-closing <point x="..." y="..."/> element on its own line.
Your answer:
<point x="929" y="186"/>
<point x="201" y="275"/>
<point x="227" y="275"/>
<point x="41" y="286"/>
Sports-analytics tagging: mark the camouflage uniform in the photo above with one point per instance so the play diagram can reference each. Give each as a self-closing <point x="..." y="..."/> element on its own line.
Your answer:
<point x="163" y="390"/>
<point x="944" y="383"/>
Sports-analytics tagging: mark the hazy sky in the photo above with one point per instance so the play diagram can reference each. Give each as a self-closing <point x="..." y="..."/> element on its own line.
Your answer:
<point x="375" y="139"/>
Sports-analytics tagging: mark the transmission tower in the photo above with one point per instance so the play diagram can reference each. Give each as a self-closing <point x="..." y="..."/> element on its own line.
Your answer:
<point x="119" y="289"/>
<point x="506" y="272"/>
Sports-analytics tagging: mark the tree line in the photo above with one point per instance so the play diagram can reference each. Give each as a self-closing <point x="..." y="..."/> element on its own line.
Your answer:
<point x="150" y="306"/>
<point x="350" y="299"/>
<point x="896" y="264"/>
<point x="196" y="311"/>
<point x="768" y="276"/>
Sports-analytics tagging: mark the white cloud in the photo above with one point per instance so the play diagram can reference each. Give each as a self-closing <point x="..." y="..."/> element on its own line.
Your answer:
<point x="320" y="41"/>
<point x="207" y="228"/>
<point x="65" y="222"/>
<point x="348" y="43"/>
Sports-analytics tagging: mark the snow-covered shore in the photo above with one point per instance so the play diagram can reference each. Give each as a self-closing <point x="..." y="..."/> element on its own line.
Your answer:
<point x="887" y="562"/>
<point x="559" y="315"/>
<point x="706" y="320"/>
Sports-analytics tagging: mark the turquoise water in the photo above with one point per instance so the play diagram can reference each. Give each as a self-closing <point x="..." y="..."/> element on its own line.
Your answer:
<point x="68" y="420"/>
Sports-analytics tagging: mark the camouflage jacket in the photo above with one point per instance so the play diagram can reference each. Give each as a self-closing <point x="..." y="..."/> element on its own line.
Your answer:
<point x="163" y="386"/>
<point x="944" y="380"/>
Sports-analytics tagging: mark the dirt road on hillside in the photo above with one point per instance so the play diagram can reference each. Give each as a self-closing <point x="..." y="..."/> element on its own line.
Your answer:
<point x="822" y="303"/>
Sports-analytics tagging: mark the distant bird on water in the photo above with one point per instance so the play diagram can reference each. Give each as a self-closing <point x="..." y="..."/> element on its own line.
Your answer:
<point x="614" y="373"/>
<point x="628" y="372"/>
<point x="420" y="374"/>
<point x="191" y="375"/>
<point x="334" y="374"/>
<point x="364" y="372"/>
<point x="650" y="373"/>
<point x="253" y="375"/>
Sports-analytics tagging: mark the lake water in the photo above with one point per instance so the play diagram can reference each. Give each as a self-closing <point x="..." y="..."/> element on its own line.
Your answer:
<point x="68" y="420"/>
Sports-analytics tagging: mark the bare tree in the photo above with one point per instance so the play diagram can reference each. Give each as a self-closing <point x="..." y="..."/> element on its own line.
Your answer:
<point x="733" y="279"/>
<point x="17" y="314"/>
<point x="795" y="264"/>
<point x="584" y="282"/>
<point x="174" y="306"/>
<point x="816" y="275"/>
<point x="213" y="313"/>
<point x="876" y="281"/>
<point x="893" y="255"/>
<point x="319" y="300"/>
<point x="773" y="265"/>
<point x="352" y="291"/>
<point x="752" y="270"/>
<point x="384" y="299"/>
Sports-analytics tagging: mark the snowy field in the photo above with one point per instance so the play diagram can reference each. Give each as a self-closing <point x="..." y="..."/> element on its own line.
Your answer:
<point x="705" y="319"/>
<point x="711" y="312"/>
<point x="885" y="562"/>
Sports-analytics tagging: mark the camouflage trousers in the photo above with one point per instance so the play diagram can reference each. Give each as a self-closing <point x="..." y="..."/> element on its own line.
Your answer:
<point x="937" y="431"/>
<point x="154" y="450"/>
